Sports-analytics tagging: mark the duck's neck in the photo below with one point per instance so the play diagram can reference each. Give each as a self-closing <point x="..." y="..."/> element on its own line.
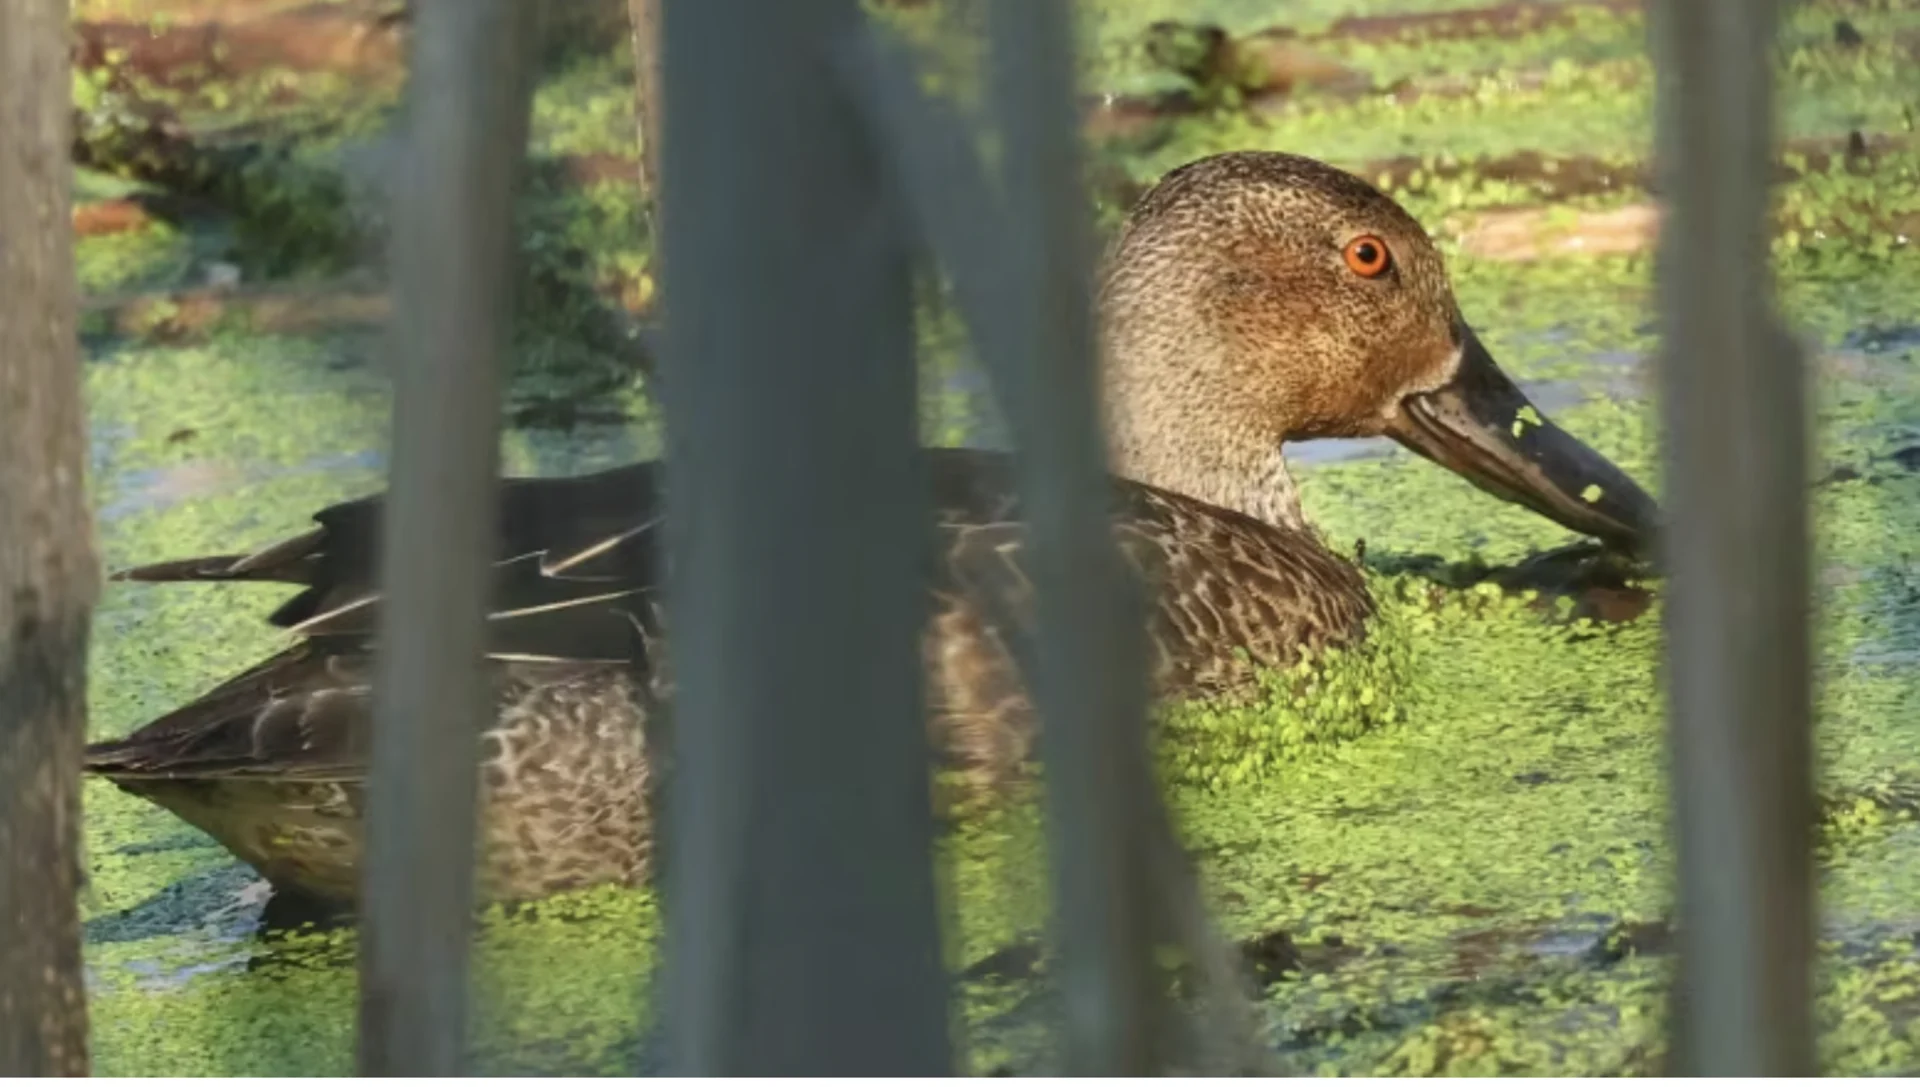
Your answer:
<point x="1272" y="496"/>
<point x="1181" y="414"/>
<point x="1250" y="481"/>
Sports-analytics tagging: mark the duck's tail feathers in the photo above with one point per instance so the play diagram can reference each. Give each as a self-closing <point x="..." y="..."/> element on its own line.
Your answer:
<point x="205" y="568"/>
<point x="291" y="561"/>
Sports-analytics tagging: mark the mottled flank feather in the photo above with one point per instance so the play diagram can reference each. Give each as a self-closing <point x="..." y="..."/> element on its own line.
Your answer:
<point x="273" y="766"/>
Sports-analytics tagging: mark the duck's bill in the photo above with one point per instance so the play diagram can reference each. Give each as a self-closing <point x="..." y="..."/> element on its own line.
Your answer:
<point x="1481" y="426"/>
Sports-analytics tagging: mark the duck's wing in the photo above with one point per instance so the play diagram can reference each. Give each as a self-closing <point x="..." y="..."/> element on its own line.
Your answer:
<point x="575" y="575"/>
<point x="299" y="713"/>
<point x="576" y="567"/>
<point x="299" y="716"/>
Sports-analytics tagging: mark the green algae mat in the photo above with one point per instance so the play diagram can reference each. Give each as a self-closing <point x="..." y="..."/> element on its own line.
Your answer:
<point x="1452" y="859"/>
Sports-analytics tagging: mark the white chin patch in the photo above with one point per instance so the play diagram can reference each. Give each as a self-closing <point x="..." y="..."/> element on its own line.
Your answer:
<point x="1447" y="374"/>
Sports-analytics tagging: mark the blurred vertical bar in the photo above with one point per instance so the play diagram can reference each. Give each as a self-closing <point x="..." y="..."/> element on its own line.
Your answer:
<point x="466" y="124"/>
<point x="49" y="575"/>
<point x="643" y="20"/>
<point x="802" y="924"/>
<point x="1101" y="792"/>
<point x="1737" y="556"/>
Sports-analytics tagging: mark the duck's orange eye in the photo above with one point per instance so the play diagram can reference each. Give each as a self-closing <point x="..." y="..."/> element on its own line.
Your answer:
<point x="1367" y="256"/>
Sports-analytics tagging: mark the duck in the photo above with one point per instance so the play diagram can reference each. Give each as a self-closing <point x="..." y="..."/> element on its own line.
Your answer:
<point x="1250" y="300"/>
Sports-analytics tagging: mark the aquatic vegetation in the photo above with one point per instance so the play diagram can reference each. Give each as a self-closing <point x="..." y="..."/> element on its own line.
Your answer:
<point x="1334" y="695"/>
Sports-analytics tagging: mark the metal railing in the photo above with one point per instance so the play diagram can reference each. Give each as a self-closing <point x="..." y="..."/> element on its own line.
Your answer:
<point x="804" y="172"/>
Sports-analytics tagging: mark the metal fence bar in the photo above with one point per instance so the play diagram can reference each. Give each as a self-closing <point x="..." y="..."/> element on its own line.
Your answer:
<point x="1101" y="791"/>
<point x="802" y="923"/>
<point x="1737" y="556"/>
<point x="467" y="119"/>
<point x="49" y="576"/>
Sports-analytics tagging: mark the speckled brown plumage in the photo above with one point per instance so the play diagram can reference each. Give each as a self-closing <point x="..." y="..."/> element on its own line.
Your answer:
<point x="1230" y="325"/>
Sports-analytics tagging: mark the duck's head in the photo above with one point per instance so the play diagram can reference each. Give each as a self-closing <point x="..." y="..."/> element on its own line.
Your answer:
<point x="1254" y="299"/>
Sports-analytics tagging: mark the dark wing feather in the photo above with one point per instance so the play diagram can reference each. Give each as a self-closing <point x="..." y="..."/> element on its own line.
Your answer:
<point x="584" y="532"/>
<point x="534" y="615"/>
<point x="303" y="714"/>
<point x="299" y="712"/>
<point x="584" y="541"/>
<point x="575" y="574"/>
